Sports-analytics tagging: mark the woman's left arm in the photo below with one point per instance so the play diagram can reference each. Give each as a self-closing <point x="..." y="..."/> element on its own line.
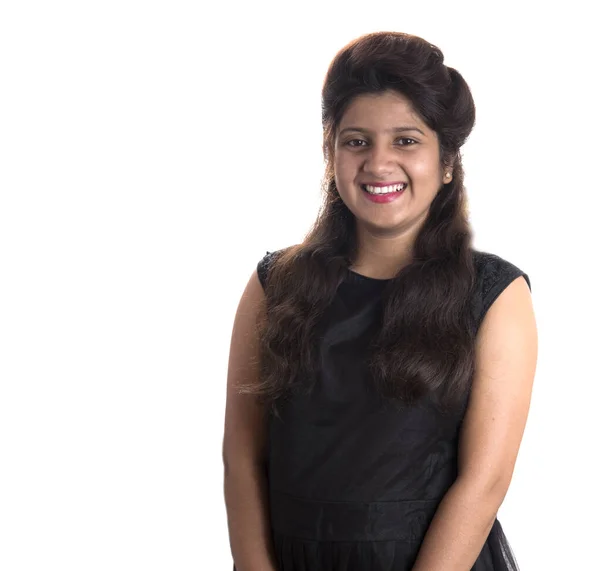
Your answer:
<point x="491" y="434"/>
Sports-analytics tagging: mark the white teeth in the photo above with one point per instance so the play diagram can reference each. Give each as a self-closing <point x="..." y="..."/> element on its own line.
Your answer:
<point x="384" y="189"/>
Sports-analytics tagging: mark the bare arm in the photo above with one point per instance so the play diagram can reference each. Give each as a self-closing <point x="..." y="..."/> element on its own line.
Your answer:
<point x="491" y="434"/>
<point x="244" y="444"/>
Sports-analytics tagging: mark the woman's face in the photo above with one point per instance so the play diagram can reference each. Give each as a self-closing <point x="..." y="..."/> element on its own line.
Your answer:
<point x="380" y="139"/>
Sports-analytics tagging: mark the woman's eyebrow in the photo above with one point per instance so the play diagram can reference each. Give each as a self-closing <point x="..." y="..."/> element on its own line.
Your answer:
<point x="391" y="130"/>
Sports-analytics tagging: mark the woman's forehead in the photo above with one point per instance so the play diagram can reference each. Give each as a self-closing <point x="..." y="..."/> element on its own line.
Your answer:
<point x="385" y="111"/>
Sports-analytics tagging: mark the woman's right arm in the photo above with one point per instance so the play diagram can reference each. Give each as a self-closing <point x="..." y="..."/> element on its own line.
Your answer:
<point x="245" y="443"/>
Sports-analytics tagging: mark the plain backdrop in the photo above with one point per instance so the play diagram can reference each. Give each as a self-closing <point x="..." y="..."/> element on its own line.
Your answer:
<point x="151" y="153"/>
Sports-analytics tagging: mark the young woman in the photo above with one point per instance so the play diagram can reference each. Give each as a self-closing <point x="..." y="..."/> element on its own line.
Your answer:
<point x="381" y="371"/>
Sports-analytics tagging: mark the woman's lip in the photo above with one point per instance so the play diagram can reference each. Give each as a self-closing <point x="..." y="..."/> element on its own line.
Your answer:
<point x="384" y="183"/>
<point x="383" y="198"/>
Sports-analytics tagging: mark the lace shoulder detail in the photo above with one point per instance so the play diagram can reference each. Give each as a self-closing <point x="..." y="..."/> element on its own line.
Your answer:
<point x="262" y="268"/>
<point x="494" y="274"/>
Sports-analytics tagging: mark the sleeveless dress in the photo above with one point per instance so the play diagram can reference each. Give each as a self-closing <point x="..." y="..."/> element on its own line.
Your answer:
<point x="353" y="481"/>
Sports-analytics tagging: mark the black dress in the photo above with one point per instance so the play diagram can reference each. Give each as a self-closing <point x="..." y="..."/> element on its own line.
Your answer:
<point x="354" y="482"/>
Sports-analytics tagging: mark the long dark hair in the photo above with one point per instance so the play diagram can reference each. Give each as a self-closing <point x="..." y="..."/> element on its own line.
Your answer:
<point x="425" y="345"/>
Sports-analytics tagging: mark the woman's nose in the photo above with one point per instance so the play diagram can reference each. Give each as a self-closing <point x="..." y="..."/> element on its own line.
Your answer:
<point x="380" y="160"/>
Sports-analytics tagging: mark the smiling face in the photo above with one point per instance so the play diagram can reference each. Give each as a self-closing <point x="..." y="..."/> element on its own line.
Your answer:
<point x="381" y="139"/>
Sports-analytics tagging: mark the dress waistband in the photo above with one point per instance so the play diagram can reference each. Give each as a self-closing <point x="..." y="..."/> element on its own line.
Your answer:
<point x="403" y="520"/>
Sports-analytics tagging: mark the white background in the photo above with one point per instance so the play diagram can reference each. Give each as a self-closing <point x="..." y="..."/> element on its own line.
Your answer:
<point x="151" y="153"/>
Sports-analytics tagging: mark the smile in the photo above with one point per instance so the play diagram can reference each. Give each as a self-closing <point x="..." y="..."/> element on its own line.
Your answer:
<point x="383" y="189"/>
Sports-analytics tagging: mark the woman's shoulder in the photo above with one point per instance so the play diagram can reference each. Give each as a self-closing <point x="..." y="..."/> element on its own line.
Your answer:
<point x="263" y="265"/>
<point x="492" y="269"/>
<point x="493" y="274"/>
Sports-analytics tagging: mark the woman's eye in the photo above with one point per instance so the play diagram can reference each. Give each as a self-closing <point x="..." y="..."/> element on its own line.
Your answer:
<point x="352" y="141"/>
